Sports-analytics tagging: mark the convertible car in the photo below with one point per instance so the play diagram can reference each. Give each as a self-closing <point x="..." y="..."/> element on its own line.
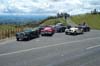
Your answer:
<point x="73" y="31"/>
<point x="85" y="28"/>
<point x="48" y="30"/>
<point x="27" y="34"/>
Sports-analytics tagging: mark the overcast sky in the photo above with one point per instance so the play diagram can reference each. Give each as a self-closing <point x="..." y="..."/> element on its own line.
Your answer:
<point x="48" y="7"/>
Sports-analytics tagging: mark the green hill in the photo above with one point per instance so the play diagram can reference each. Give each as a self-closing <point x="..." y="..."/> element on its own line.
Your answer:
<point x="54" y="21"/>
<point x="93" y="20"/>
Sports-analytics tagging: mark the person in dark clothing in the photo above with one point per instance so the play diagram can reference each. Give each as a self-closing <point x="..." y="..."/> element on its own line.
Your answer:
<point x="68" y="26"/>
<point x="84" y="23"/>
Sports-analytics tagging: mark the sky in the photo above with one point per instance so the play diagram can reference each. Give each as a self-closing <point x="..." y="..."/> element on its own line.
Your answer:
<point x="48" y="7"/>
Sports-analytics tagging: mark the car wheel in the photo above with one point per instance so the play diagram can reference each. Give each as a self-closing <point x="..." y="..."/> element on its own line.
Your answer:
<point x="17" y="39"/>
<point x="66" y="33"/>
<point x="42" y="34"/>
<point x="51" y="35"/>
<point x="29" y="38"/>
<point x="38" y="36"/>
<point x="75" y="33"/>
<point x="88" y="29"/>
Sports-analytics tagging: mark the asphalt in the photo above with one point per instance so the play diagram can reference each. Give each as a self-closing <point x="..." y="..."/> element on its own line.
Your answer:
<point x="58" y="50"/>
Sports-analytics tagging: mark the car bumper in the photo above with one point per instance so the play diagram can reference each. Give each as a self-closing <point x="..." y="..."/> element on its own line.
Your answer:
<point x="46" y="33"/>
<point x="25" y="37"/>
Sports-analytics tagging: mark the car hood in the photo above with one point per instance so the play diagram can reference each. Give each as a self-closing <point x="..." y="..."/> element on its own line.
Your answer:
<point x="73" y="28"/>
<point x="20" y="33"/>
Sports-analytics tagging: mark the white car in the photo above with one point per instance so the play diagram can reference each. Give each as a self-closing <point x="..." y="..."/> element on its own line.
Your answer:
<point x="73" y="31"/>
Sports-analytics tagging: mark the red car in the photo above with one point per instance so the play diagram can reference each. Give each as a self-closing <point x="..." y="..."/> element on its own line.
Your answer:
<point x="47" y="31"/>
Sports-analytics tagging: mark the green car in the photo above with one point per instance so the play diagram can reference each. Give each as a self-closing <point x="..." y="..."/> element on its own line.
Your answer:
<point x="27" y="34"/>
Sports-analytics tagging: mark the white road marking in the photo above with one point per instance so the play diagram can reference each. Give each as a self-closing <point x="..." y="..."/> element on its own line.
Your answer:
<point x="93" y="47"/>
<point x="21" y="51"/>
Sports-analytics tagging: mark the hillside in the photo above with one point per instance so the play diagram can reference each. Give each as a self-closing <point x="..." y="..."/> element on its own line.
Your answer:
<point x="54" y="21"/>
<point x="92" y="20"/>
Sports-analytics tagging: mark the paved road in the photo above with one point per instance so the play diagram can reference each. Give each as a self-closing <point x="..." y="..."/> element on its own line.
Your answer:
<point x="58" y="50"/>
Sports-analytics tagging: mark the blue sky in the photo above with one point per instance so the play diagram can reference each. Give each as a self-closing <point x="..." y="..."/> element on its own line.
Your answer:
<point x="47" y="7"/>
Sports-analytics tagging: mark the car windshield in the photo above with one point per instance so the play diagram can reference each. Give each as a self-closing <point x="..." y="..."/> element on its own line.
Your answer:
<point x="47" y="28"/>
<point x="28" y="30"/>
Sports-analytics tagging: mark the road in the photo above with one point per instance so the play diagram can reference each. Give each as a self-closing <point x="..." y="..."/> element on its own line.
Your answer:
<point x="58" y="50"/>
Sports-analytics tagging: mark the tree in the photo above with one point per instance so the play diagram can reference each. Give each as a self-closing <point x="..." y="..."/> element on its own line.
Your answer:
<point x="59" y="15"/>
<point x="94" y="11"/>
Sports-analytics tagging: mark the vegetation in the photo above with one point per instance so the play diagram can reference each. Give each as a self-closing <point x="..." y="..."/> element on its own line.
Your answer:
<point x="65" y="15"/>
<point x="93" y="20"/>
<point x="95" y="12"/>
<point x="54" y="21"/>
<point x="10" y="30"/>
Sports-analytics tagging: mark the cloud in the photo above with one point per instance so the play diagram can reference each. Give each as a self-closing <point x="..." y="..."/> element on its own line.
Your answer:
<point x="48" y="6"/>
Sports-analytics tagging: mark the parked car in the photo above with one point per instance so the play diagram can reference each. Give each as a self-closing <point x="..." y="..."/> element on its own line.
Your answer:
<point x="48" y="30"/>
<point x="73" y="31"/>
<point x="84" y="27"/>
<point x="59" y="28"/>
<point x="27" y="34"/>
<point x="39" y="28"/>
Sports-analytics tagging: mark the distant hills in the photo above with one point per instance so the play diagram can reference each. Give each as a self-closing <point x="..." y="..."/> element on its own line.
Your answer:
<point x="20" y="19"/>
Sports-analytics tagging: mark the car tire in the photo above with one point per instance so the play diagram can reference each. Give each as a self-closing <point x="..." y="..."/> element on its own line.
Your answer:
<point x="38" y="36"/>
<point x="17" y="39"/>
<point x="88" y="29"/>
<point x="66" y="33"/>
<point x="42" y="34"/>
<point x="51" y="35"/>
<point x="29" y="38"/>
<point x="75" y="33"/>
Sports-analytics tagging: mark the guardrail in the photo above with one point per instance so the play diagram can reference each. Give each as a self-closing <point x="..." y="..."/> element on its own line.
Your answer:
<point x="7" y="31"/>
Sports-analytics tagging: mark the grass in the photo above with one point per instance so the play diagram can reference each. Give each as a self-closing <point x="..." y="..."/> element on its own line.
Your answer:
<point x="7" y="27"/>
<point x="92" y="20"/>
<point x="9" y="30"/>
<point x="54" y="21"/>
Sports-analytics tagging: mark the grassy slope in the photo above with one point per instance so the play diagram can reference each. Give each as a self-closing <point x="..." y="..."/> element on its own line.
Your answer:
<point x="7" y="27"/>
<point x="8" y="30"/>
<point x="92" y="20"/>
<point x="54" y="21"/>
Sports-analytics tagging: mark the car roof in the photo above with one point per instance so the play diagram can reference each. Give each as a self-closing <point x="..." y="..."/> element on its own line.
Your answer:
<point x="48" y="27"/>
<point x="28" y="30"/>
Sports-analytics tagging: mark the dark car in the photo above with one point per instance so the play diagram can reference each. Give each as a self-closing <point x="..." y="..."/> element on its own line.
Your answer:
<point x="27" y="34"/>
<point x="84" y="27"/>
<point x="39" y="28"/>
<point x="60" y="28"/>
<point x="48" y="30"/>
